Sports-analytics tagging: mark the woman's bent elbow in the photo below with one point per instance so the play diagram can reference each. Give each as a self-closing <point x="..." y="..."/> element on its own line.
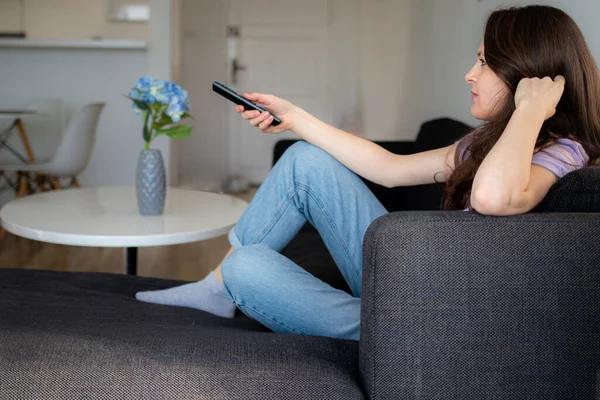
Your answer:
<point x="488" y="203"/>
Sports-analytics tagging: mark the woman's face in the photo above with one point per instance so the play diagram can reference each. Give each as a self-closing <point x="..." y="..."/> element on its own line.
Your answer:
<point x="488" y="91"/>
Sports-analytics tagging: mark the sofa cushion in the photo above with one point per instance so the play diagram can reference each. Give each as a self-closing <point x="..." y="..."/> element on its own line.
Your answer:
<point x="66" y="335"/>
<point x="578" y="191"/>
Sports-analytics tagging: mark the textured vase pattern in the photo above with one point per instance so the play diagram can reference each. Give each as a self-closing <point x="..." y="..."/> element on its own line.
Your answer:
<point x="150" y="183"/>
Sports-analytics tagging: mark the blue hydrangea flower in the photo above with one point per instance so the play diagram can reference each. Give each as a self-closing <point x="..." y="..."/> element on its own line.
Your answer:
<point x="151" y="92"/>
<point x="141" y="90"/>
<point x="176" y="109"/>
<point x="164" y="103"/>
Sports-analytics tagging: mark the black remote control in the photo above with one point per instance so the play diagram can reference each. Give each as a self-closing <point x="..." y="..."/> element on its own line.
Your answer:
<point x="241" y="100"/>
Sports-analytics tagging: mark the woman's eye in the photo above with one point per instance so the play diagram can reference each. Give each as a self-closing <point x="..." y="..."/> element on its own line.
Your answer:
<point x="482" y="62"/>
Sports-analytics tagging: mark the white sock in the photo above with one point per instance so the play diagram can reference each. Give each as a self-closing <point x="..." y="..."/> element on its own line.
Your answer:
<point x="208" y="295"/>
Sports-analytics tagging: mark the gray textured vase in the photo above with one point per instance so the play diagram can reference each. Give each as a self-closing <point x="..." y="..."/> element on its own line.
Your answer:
<point x="150" y="183"/>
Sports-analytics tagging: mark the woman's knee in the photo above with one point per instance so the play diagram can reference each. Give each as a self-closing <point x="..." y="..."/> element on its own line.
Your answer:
<point x="245" y="266"/>
<point x="298" y="149"/>
<point x="308" y="158"/>
<point x="305" y="151"/>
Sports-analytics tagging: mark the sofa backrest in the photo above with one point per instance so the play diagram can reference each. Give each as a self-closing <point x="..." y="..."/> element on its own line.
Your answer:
<point x="438" y="133"/>
<point x="433" y="134"/>
<point x="578" y="191"/>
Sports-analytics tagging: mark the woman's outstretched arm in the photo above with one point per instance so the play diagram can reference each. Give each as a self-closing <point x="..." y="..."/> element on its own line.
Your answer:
<point x="360" y="155"/>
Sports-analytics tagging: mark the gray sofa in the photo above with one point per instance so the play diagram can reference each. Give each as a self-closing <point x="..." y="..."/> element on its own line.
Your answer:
<point x="455" y="306"/>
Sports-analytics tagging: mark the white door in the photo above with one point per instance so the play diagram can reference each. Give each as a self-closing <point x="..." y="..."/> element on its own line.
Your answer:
<point x="280" y="48"/>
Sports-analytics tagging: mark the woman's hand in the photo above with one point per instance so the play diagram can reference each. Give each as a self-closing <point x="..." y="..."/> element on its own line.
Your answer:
<point x="544" y="94"/>
<point x="281" y="108"/>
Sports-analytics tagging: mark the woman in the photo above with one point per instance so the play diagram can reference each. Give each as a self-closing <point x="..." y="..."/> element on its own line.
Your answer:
<point x="535" y="85"/>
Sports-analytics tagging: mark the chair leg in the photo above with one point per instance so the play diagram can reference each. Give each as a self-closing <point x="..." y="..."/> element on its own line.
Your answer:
<point x="23" y="185"/>
<point x="2" y="230"/>
<point x="4" y="180"/>
<point x="40" y="180"/>
<point x="47" y="182"/>
<point x="55" y="183"/>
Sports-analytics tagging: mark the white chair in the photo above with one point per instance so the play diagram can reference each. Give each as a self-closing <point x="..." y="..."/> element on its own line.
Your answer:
<point x="44" y="131"/>
<point x="70" y="159"/>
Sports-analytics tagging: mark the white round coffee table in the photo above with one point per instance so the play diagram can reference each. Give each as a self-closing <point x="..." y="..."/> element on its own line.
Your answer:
<point x="109" y="217"/>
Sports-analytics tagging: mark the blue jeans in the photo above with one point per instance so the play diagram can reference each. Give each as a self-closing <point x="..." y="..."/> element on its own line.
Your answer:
<point x="306" y="184"/>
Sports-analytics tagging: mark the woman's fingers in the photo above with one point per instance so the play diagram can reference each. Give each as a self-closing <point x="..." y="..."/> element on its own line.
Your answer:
<point x="265" y="123"/>
<point x="250" y="114"/>
<point x="258" y="97"/>
<point x="264" y="100"/>
<point x="256" y="121"/>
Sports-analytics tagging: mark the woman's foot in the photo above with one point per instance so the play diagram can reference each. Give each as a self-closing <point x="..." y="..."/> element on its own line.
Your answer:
<point x="207" y="295"/>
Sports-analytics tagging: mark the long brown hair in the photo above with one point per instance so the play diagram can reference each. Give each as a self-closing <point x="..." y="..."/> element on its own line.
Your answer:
<point x="527" y="42"/>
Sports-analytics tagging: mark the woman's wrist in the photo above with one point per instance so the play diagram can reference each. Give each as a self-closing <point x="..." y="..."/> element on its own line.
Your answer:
<point x="531" y="110"/>
<point x="297" y="119"/>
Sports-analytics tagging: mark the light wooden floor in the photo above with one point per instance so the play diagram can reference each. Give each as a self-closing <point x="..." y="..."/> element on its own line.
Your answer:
<point x="189" y="262"/>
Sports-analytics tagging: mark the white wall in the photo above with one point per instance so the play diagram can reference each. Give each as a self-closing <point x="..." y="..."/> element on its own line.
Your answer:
<point x="159" y="66"/>
<point x="395" y="66"/>
<point x="414" y="55"/>
<point x="345" y="67"/>
<point x="203" y="155"/>
<point x="66" y="19"/>
<point x="420" y="69"/>
<point x="385" y="39"/>
<point x="176" y="59"/>
<point x="456" y="32"/>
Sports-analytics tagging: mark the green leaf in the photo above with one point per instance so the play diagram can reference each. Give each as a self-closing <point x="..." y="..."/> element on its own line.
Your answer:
<point x="159" y="109"/>
<point x="139" y="104"/>
<point x="147" y="135"/>
<point x="177" y="132"/>
<point x="164" y="120"/>
<point x="187" y="115"/>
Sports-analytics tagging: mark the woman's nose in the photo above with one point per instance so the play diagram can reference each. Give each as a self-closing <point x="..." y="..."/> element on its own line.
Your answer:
<point x="470" y="77"/>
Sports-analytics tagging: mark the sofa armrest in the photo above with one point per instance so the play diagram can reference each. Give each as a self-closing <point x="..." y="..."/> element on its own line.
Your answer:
<point x="457" y="305"/>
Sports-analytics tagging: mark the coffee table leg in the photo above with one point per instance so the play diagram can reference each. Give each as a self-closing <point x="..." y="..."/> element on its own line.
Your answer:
<point x="131" y="260"/>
